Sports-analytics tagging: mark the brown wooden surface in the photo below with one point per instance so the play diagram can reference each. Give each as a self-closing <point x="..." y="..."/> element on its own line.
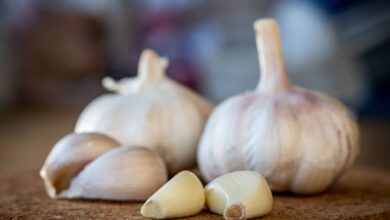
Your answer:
<point x="359" y="194"/>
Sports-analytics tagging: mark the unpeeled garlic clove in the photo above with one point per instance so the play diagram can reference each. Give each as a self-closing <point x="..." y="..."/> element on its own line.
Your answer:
<point x="69" y="156"/>
<point x="239" y="195"/>
<point x="124" y="173"/>
<point x="182" y="196"/>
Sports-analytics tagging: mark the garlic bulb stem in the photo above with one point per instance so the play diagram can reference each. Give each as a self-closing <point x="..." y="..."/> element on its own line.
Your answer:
<point x="151" y="66"/>
<point x="151" y="70"/>
<point x="273" y="73"/>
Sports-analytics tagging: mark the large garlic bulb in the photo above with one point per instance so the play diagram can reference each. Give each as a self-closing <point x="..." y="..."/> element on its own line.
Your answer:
<point x="299" y="140"/>
<point x="150" y="110"/>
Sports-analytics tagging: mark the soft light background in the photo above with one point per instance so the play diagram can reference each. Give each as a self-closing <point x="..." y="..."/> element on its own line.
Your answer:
<point x="53" y="55"/>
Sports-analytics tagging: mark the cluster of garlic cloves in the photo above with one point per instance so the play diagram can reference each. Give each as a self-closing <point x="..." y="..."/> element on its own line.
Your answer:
<point x="299" y="140"/>
<point x="95" y="166"/>
<point x="150" y="110"/>
<point x="102" y="160"/>
<point x="236" y="195"/>
<point x="69" y="156"/>
<point x="278" y="137"/>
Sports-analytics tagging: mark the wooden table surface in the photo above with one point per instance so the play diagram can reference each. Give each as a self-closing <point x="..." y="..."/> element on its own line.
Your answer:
<point x="359" y="194"/>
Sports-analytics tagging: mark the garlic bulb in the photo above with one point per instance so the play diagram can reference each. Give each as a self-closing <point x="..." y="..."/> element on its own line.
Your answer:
<point x="150" y="110"/>
<point x="299" y="140"/>
<point x="124" y="173"/>
<point x="182" y="196"/>
<point x="239" y="195"/>
<point x="69" y="156"/>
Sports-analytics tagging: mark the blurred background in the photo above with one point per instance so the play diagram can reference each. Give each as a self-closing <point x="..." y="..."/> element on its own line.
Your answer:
<point x="53" y="55"/>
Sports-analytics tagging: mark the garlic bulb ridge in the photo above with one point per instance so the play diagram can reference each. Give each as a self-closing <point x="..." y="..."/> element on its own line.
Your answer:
<point x="150" y="110"/>
<point x="299" y="140"/>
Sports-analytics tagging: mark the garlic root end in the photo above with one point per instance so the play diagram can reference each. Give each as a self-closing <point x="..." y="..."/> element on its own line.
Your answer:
<point x="234" y="211"/>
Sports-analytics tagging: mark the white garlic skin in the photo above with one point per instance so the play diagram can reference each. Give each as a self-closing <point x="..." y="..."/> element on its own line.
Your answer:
<point x="124" y="174"/>
<point x="152" y="111"/>
<point x="299" y="140"/>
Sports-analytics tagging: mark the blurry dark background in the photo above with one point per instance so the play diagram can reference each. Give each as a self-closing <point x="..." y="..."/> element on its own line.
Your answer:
<point x="53" y="55"/>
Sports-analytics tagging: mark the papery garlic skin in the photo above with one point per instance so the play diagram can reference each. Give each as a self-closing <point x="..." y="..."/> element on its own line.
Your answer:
<point x="182" y="196"/>
<point x="69" y="155"/>
<point x="239" y="195"/>
<point x="124" y="173"/>
<point x="299" y="140"/>
<point x="150" y="110"/>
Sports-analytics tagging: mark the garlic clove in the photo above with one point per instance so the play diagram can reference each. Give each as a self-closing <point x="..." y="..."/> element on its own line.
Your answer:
<point x="239" y="195"/>
<point x="69" y="156"/>
<point x="124" y="173"/>
<point x="182" y="196"/>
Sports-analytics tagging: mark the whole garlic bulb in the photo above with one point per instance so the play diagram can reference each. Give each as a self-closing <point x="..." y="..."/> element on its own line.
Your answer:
<point x="299" y="140"/>
<point x="152" y="111"/>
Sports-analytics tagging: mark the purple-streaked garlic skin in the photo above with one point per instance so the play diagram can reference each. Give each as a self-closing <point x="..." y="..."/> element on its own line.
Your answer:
<point x="299" y="140"/>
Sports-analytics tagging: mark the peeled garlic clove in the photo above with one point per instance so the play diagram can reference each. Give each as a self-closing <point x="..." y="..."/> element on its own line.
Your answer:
<point x="124" y="173"/>
<point x="299" y="140"/>
<point x="182" y="196"/>
<point x="239" y="195"/>
<point x="69" y="156"/>
<point x="150" y="110"/>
